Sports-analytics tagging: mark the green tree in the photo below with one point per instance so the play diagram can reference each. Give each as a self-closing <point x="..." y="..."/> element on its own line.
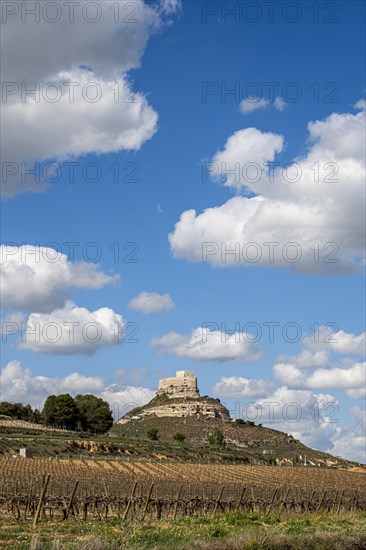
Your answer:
<point x="95" y="414"/>
<point x="179" y="437"/>
<point x="217" y="438"/>
<point x="153" y="434"/>
<point x="60" y="411"/>
<point x="19" y="411"/>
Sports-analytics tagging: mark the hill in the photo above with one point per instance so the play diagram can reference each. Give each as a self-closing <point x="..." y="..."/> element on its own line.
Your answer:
<point x="246" y="442"/>
<point x="206" y="433"/>
<point x="178" y="408"/>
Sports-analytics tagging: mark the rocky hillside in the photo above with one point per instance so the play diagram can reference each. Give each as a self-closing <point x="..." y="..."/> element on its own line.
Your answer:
<point x="199" y="419"/>
<point x="179" y="407"/>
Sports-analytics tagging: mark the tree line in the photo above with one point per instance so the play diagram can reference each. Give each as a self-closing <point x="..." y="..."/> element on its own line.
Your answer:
<point x="82" y="413"/>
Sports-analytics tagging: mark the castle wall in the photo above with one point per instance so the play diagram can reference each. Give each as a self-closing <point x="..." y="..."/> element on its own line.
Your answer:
<point x="184" y="384"/>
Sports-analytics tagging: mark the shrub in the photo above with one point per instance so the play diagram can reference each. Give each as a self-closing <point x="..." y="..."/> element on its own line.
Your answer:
<point x="217" y="438"/>
<point x="153" y="434"/>
<point x="179" y="437"/>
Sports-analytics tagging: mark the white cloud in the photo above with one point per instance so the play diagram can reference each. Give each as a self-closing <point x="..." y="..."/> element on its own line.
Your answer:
<point x="72" y="330"/>
<point x="17" y="384"/>
<point x="313" y="418"/>
<point x="316" y="349"/>
<point x="36" y="278"/>
<point x="284" y="220"/>
<point x="345" y="342"/>
<point x="359" y="393"/>
<point x="360" y="105"/>
<point x="250" y="104"/>
<point x="114" y="44"/>
<point x="11" y="323"/>
<point x="279" y="103"/>
<point x="351" y="441"/>
<point x="294" y="371"/>
<point x="334" y="378"/>
<point x="204" y="344"/>
<point x="244" y="149"/>
<point x="170" y="6"/>
<point x="125" y="398"/>
<point x="105" y="126"/>
<point x="151" y="302"/>
<point x="82" y="60"/>
<point x="238" y="386"/>
<point x="327" y="337"/>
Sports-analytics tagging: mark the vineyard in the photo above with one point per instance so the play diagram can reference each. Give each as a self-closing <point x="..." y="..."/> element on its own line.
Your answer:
<point x="100" y="489"/>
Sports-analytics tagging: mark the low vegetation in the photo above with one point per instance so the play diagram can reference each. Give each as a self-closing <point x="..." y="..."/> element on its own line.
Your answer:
<point x="232" y="531"/>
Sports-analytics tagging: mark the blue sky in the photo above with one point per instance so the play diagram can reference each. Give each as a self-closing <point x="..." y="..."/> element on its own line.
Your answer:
<point x="180" y="120"/>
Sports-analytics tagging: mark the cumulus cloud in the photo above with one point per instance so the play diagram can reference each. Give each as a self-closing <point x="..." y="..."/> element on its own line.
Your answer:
<point x="351" y="441"/>
<point x="119" y="118"/>
<point x="317" y="349"/>
<point x="346" y="342"/>
<point x="334" y="378"/>
<point x="125" y="398"/>
<point x="83" y="101"/>
<point x="279" y="103"/>
<point x="11" y="323"/>
<point x="313" y="418"/>
<point x="250" y="104"/>
<point x="36" y="278"/>
<point x="307" y="216"/>
<point x="151" y="302"/>
<point x="19" y="385"/>
<point x="72" y="330"/>
<point x="238" y="386"/>
<point x="204" y="344"/>
<point x="314" y="366"/>
<point x="248" y="148"/>
<point x="359" y="393"/>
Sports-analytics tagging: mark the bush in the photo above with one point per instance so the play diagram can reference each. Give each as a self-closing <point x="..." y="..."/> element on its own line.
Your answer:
<point x="217" y="438"/>
<point x="179" y="437"/>
<point x="153" y="434"/>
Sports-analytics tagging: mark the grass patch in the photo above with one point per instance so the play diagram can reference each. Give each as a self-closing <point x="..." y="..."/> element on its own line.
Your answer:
<point x="231" y="531"/>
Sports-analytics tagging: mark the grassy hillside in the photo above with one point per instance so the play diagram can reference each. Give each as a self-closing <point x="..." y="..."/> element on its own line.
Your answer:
<point x="243" y="442"/>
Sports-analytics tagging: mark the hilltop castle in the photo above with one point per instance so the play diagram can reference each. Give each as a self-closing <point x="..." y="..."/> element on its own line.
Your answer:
<point x="179" y="396"/>
<point x="183" y="384"/>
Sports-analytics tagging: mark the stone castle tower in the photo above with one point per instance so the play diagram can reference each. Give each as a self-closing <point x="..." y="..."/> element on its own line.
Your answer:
<point x="183" y="384"/>
<point x="183" y="401"/>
